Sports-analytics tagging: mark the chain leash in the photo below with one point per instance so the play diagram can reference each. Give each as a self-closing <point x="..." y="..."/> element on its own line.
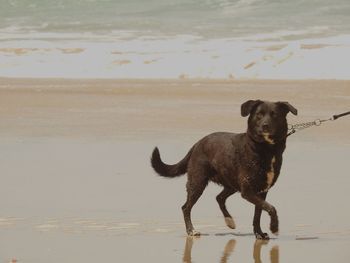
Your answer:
<point x="301" y="126"/>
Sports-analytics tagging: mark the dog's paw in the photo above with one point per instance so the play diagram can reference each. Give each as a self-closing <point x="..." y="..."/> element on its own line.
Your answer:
<point x="274" y="228"/>
<point x="193" y="233"/>
<point x="262" y="236"/>
<point x="230" y="222"/>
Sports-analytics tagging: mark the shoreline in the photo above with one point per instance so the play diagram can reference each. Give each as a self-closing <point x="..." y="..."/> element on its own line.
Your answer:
<point x="214" y="80"/>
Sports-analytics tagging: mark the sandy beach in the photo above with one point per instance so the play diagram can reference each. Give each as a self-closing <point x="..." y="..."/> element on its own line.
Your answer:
<point x="76" y="184"/>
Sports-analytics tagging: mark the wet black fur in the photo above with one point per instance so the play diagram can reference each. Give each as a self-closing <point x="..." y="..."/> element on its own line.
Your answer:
<point x="238" y="162"/>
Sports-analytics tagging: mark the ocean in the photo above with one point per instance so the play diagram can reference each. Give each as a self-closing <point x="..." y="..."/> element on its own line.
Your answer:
<point x="214" y="39"/>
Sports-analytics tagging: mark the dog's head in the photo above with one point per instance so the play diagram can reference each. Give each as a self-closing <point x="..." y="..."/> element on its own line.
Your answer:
<point x="267" y="120"/>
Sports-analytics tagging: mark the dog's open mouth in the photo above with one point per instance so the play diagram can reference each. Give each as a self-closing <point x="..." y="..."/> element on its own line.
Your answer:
<point x="268" y="138"/>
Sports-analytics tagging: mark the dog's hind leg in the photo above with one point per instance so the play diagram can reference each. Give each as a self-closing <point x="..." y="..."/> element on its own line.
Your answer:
<point x="221" y="198"/>
<point x="256" y="221"/>
<point x="195" y="186"/>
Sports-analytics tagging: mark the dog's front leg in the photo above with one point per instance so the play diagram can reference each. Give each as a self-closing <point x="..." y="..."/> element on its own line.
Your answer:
<point x="261" y="204"/>
<point x="256" y="221"/>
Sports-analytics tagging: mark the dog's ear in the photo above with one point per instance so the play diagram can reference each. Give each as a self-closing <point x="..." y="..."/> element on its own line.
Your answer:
<point x="248" y="106"/>
<point x="287" y="107"/>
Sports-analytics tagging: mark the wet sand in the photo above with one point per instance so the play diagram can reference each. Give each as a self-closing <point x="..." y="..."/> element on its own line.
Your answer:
<point x="77" y="185"/>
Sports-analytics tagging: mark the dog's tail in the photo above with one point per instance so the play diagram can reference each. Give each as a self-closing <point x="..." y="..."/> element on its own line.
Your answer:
<point x="167" y="170"/>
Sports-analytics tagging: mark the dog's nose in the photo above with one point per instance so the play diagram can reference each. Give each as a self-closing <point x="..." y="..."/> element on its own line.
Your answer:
<point x="265" y="127"/>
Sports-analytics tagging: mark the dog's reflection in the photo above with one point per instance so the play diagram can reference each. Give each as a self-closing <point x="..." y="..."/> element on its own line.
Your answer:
<point x="229" y="249"/>
<point x="274" y="252"/>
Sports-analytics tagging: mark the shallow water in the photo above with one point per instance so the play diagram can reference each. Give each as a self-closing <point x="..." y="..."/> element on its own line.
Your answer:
<point x="89" y="201"/>
<point x="209" y="18"/>
<point x="74" y="242"/>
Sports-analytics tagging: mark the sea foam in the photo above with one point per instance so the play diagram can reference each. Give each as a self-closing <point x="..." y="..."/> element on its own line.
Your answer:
<point x="181" y="56"/>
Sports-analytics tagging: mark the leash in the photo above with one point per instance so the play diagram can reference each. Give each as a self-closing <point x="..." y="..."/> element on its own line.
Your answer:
<point x="301" y="126"/>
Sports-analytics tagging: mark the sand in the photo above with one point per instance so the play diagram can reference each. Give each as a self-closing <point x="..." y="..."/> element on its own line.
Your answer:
<point x="77" y="185"/>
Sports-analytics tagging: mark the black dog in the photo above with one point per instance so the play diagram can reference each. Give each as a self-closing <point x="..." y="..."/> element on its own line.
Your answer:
<point x="247" y="162"/>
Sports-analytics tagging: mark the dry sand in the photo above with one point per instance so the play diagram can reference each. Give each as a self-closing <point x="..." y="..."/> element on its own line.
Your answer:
<point x="76" y="185"/>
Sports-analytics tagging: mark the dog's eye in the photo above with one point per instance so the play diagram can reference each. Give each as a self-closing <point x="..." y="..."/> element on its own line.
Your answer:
<point x="274" y="114"/>
<point x="259" y="115"/>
